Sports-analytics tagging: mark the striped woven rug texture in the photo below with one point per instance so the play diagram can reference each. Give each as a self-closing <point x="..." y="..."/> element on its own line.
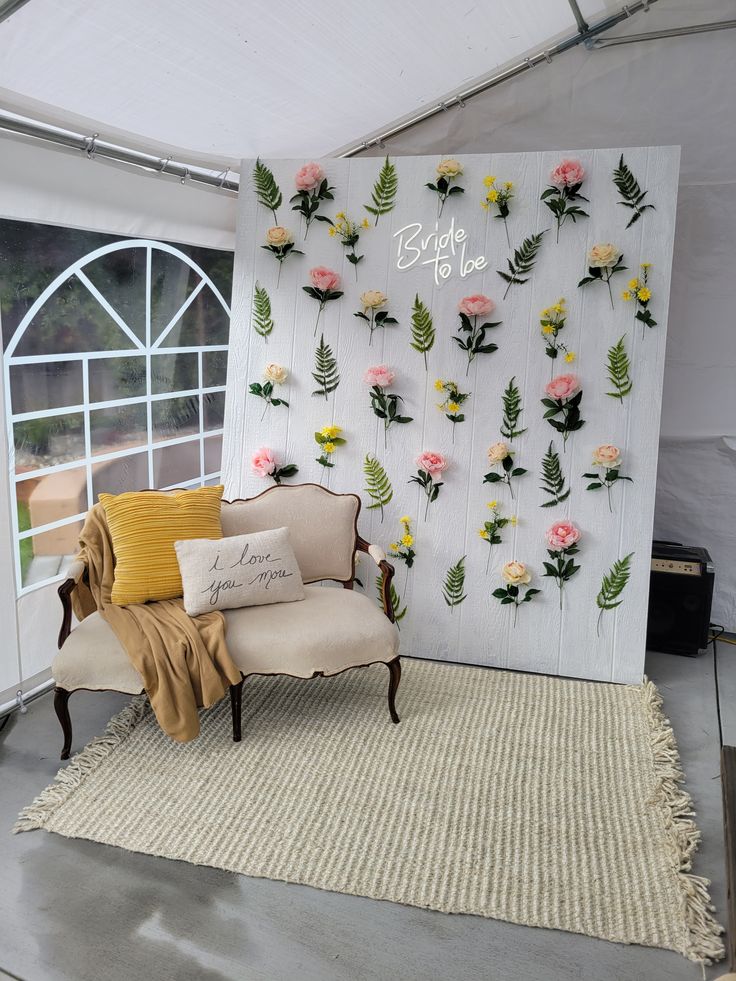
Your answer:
<point x="538" y="800"/>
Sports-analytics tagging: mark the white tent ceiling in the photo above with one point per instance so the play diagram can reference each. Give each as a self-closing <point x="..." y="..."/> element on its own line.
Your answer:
<point x="225" y="79"/>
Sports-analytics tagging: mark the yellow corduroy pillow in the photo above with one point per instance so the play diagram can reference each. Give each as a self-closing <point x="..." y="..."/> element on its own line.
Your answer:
<point x="144" y="526"/>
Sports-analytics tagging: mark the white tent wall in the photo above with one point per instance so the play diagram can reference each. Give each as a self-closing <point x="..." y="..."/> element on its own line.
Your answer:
<point x="40" y="183"/>
<point x="670" y="91"/>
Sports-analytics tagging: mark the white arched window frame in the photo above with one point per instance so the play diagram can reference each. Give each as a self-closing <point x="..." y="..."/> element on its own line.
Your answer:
<point x="149" y="348"/>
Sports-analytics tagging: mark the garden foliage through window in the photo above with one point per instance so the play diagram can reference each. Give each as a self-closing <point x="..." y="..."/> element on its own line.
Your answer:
<point x="115" y="361"/>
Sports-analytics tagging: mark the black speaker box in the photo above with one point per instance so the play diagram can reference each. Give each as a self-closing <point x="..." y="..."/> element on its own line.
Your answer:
<point x="680" y="599"/>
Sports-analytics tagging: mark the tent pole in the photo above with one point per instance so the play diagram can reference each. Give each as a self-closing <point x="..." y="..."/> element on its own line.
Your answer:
<point x="9" y="7"/>
<point x="719" y="25"/>
<point x="583" y="25"/>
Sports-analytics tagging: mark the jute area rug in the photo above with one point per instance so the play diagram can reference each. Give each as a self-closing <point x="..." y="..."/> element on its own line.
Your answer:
<point x="537" y="800"/>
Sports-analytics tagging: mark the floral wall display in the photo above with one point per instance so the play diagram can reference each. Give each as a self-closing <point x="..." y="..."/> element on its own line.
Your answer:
<point x="474" y="344"/>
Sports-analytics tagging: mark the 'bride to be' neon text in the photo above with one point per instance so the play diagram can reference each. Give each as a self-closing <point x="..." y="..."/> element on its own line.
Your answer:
<point x="441" y="251"/>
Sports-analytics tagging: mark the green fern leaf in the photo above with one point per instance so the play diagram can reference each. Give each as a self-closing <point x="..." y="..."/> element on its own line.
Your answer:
<point x="452" y="588"/>
<point x="377" y="485"/>
<point x="399" y="611"/>
<point x="612" y="586"/>
<point x="422" y="329"/>
<point x="553" y="481"/>
<point x="512" y="409"/>
<point x="266" y="188"/>
<point x="523" y="262"/>
<point x="262" y="321"/>
<point x="631" y="194"/>
<point x="384" y="191"/>
<point x="326" y="375"/>
<point x="618" y="370"/>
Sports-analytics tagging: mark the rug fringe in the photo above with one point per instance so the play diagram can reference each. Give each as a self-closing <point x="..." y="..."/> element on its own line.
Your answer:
<point x="702" y="943"/>
<point x="67" y="780"/>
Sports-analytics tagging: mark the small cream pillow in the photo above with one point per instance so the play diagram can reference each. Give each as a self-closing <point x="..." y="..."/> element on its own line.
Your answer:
<point x="245" y="570"/>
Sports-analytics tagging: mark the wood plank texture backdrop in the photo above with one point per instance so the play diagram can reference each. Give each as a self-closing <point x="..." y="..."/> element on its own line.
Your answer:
<point x="479" y="630"/>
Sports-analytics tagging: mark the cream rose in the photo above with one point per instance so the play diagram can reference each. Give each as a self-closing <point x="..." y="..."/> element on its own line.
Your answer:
<point x="372" y="299"/>
<point x="498" y="453"/>
<point x="279" y="236"/>
<point x="275" y="373"/>
<point x="607" y="455"/>
<point x="515" y="573"/>
<point x="604" y="256"/>
<point x="449" y="168"/>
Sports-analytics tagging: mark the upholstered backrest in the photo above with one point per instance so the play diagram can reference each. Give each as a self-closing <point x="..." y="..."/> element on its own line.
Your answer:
<point x="322" y="526"/>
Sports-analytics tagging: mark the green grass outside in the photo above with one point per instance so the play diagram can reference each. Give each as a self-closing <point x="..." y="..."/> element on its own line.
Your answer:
<point x="25" y="544"/>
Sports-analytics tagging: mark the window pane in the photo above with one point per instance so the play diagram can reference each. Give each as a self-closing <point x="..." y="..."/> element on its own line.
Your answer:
<point x="129" y="473"/>
<point x="204" y="322"/>
<point x="121" y="278"/>
<point x="48" y="554"/>
<point x="174" y="465"/>
<point x="213" y="454"/>
<point x="52" y="497"/>
<point x="45" y="442"/>
<point x="118" y="428"/>
<point x="171" y="283"/>
<point x="214" y="368"/>
<point x="174" y="373"/>
<point x="116" y="378"/>
<point x="175" y="417"/>
<point x="214" y="410"/>
<point x="35" y="387"/>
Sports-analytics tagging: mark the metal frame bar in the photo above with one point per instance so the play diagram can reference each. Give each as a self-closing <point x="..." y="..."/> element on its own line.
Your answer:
<point x="582" y="23"/>
<point x="719" y="25"/>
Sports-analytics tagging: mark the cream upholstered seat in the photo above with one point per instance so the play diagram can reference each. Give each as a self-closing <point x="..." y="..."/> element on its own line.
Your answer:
<point x="330" y="631"/>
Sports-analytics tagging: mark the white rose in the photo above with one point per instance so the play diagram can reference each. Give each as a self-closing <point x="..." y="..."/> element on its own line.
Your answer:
<point x="449" y="168"/>
<point x="275" y="373"/>
<point x="498" y="453"/>
<point x="604" y="256"/>
<point x="372" y="299"/>
<point x="607" y="455"/>
<point x="279" y="236"/>
<point x="515" y="574"/>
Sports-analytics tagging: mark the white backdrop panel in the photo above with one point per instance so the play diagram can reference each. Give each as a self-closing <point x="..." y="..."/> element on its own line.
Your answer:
<point x="480" y="629"/>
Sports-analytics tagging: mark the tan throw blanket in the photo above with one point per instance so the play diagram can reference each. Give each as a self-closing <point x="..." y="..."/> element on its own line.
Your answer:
<point x="183" y="660"/>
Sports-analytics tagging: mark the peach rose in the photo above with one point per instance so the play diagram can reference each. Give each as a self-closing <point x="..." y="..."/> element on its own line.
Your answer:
<point x="515" y="573"/>
<point x="279" y="236"/>
<point x="308" y="177"/>
<point x="567" y="173"/>
<point x="324" y="278"/>
<point x="476" y="305"/>
<point x="562" y="535"/>
<point x="563" y="387"/>
<point x="449" y="168"/>
<point x="263" y="462"/>
<point x="372" y="299"/>
<point x="498" y="453"/>
<point x="380" y="375"/>
<point x="275" y="373"/>
<point x="433" y="463"/>
<point x="604" y="256"/>
<point x="607" y="455"/>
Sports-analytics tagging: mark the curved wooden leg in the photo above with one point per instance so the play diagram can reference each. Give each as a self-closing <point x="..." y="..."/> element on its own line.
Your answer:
<point x="394" y="670"/>
<point x="236" y="703"/>
<point x="61" y="705"/>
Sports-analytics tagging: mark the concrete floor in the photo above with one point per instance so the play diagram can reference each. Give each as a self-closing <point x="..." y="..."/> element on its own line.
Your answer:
<point x="79" y="911"/>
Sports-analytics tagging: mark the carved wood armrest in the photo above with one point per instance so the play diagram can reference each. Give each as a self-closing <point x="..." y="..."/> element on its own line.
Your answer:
<point x="379" y="557"/>
<point x="77" y="571"/>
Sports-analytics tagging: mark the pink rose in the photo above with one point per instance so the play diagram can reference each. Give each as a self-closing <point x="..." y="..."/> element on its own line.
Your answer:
<point x="380" y="375"/>
<point x="563" y="387"/>
<point x="263" y="462"/>
<point x="433" y="463"/>
<point x="308" y="177"/>
<point x="562" y="535"/>
<point x="324" y="278"/>
<point x="476" y="305"/>
<point x="568" y="173"/>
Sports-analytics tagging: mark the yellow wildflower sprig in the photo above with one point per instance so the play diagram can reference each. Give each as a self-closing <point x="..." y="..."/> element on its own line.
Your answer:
<point x="491" y="528"/>
<point x="348" y="231"/>
<point x="498" y="196"/>
<point x="403" y="548"/>
<point x="639" y="291"/>
<point x="551" y="321"/>
<point x="328" y="439"/>
<point x="452" y="403"/>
